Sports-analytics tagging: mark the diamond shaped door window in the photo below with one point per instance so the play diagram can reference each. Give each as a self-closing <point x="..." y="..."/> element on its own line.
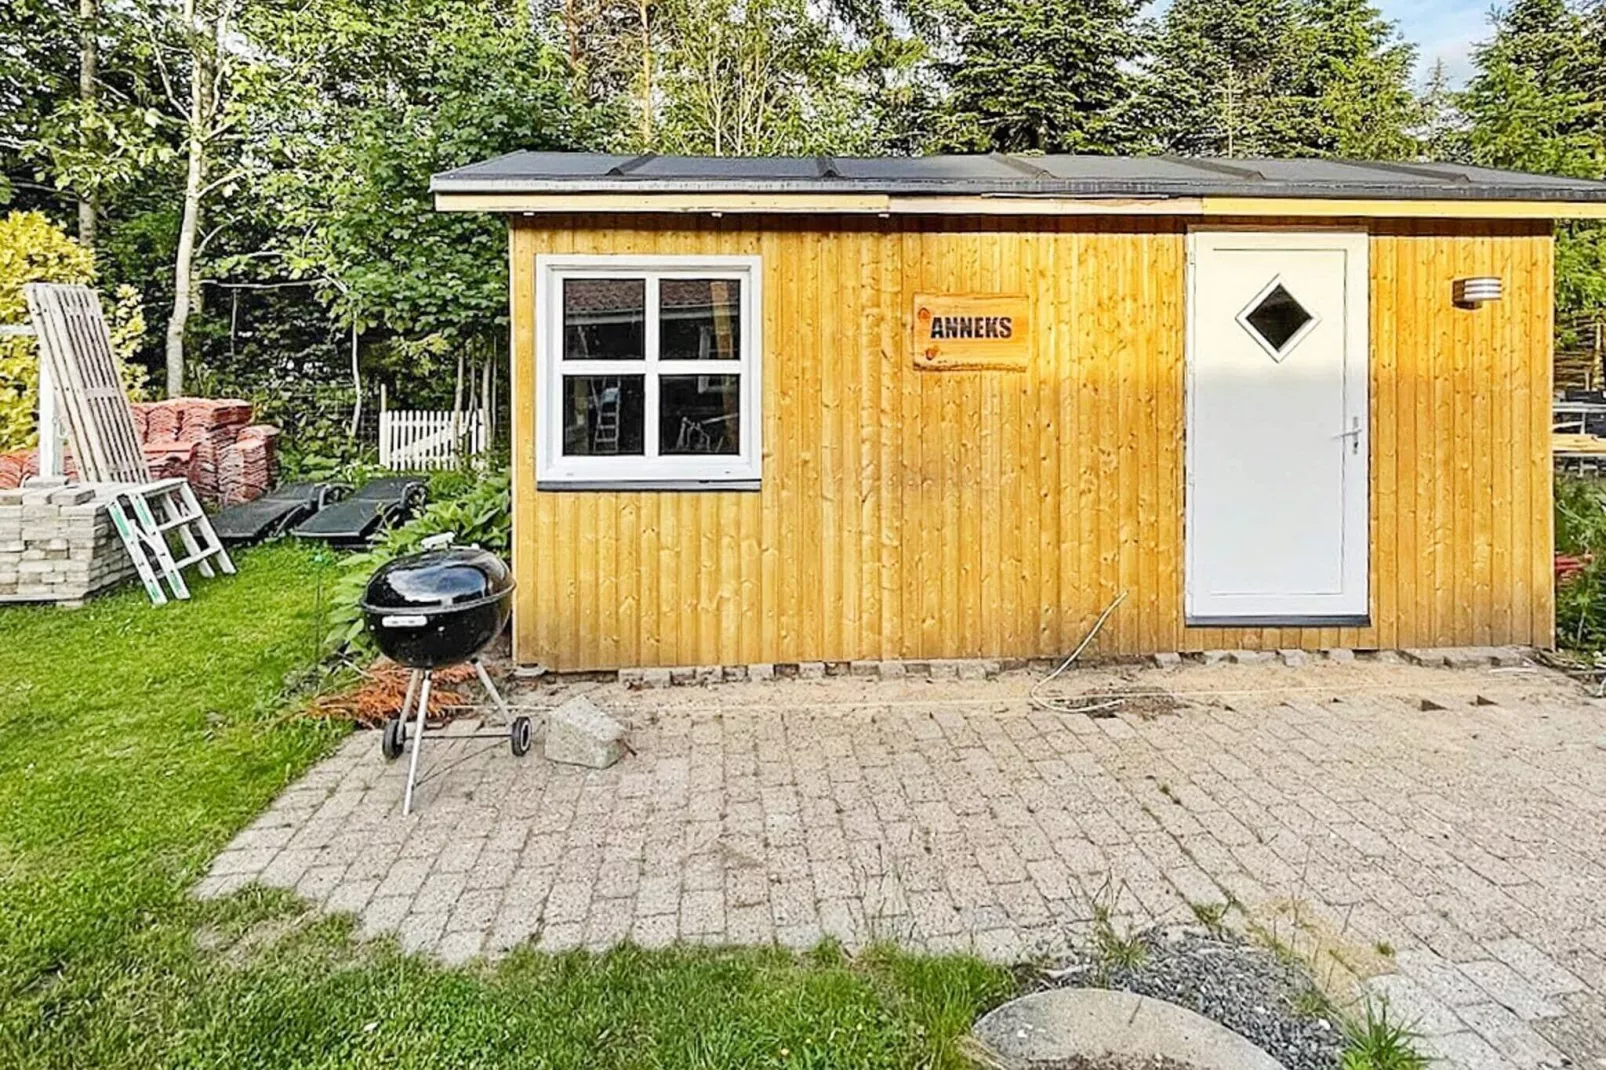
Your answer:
<point x="1277" y="320"/>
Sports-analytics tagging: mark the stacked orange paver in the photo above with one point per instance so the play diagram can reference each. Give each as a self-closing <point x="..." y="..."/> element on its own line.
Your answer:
<point x="209" y="441"/>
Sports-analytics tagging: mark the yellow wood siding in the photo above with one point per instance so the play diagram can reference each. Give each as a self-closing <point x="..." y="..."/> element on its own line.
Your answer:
<point x="918" y="514"/>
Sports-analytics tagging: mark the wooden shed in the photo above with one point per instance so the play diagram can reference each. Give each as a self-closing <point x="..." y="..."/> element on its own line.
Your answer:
<point x="784" y="410"/>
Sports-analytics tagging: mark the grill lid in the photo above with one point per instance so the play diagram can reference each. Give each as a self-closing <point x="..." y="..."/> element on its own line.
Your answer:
<point x="437" y="581"/>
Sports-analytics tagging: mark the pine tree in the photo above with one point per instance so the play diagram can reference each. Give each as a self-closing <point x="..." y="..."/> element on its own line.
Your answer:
<point x="1538" y="103"/>
<point x="1360" y="80"/>
<point x="1280" y="78"/>
<point x="1224" y="77"/>
<point x="1038" y="75"/>
<point x="1530" y="99"/>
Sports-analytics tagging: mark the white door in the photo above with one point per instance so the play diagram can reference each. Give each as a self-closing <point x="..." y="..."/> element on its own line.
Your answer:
<point x="1276" y="513"/>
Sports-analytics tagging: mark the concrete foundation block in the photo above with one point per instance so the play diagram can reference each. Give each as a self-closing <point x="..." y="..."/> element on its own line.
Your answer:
<point x="734" y="673"/>
<point x="656" y="678"/>
<point x="710" y="674"/>
<point x="1214" y="657"/>
<point x="1293" y="658"/>
<point x="976" y="669"/>
<point x="891" y="670"/>
<point x="1249" y="657"/>
<point x="942" y="669"/>
<point x="633" y="678"/>
<point x="862" y="668"/>
<point x="1167" y="659"/>
<point x="1430" y="656"/>
<point x="1341" y="654"/>
<point x="579" y="732"/>
<point x="811" y="670"/>
<point x="762" y="671"/>
<point x="681" y="675"/>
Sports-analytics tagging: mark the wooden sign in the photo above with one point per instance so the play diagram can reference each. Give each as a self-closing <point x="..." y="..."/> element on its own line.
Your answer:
<point x="970" y="332"/>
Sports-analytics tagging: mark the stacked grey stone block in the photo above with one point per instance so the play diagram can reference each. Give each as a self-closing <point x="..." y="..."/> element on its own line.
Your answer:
<point x="57" y="543"/>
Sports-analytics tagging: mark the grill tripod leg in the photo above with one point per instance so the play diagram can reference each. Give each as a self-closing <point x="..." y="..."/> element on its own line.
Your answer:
<point x="418" y="743"/>
<point x="485" y="682"/>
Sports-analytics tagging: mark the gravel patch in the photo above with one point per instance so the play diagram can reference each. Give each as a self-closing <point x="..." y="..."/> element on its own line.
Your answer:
<point x="1255" y="993"/>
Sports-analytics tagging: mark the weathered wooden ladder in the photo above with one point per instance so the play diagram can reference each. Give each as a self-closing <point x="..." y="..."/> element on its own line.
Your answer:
<point x="75" y="347"/>
<point x="143" y="515"/>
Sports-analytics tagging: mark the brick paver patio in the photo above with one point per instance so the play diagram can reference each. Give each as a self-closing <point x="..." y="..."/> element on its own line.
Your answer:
<point x="1454" y="858"/>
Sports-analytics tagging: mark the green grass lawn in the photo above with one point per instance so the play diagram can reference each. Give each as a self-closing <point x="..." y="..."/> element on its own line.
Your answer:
<point x="135" y="741"/>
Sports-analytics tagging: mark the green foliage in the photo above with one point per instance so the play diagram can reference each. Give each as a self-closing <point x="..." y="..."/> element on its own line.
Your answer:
<point x="137" y="741"/>
<point x="475" y="507"/>
<point x="1039" y="75"/>
<point x="768" y="77"/>
<point x="1581" y="531"/>
<point x="32" y="249"/>
<point x="1280" y="78"/>
<point x="1375" y="1042"/>
<point x="1538" y="103"/>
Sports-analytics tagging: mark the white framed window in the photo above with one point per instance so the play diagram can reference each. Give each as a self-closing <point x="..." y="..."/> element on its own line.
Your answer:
<point x="648" y="371"/>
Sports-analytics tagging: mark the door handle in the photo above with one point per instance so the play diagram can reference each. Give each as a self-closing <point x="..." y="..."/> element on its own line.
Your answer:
<point x="1353" y="434"/>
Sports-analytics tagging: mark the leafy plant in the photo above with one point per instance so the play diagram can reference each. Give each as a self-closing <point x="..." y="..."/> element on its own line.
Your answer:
<point x="32" y="249"/>
<point x="1376" y="1042"/>
<point x="1581" y="532"/>
<point x="480" y="514"/>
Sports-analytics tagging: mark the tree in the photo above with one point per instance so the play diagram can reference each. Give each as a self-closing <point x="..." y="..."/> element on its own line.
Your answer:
<point x="1535" y="103"/>
<point x="1280" y="78"/>
<point x="371" y="101"/>
<point x="1359" y="72"/>
<point x="1222" y="79"/>
<point x="1037" y="75"/>
<point x="766" y="77"/>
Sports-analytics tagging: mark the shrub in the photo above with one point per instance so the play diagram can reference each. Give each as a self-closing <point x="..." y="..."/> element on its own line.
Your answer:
<point x="476" y="510"/>
<point x="1581" y="533"/>
<point x="32" y="249"/>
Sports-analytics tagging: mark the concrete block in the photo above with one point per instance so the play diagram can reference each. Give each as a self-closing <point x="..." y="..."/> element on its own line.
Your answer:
<point x="44" y="482"/>
<point x="72" y="496"/>
<point x="811" y="670"/>
<point x="1430" y="656"/>
<point x="656" y="677"/>
<point x="11" y="496"/>
<point x="1459" y="657"/>
<point x="1293" y="658"/>
<point x="1249" y="657"/>
<point x="633" y="678"/>
<point x="1167" y="659"/>
<point x="762" y="671"/>
<point x="683" y="674"/>
<point x="734" y="673"/>
<point x="891" y="670"/>
<point x="1214" y="657"/>
<point x="580" y="733"/>
<point x="973" y="669"/>
<point x="710" y="674"/>
<point x="942" y="669"/>
<point x="1341" y="654"/>
<point x="1386" y="657"/>
<point x="862" y="668"/>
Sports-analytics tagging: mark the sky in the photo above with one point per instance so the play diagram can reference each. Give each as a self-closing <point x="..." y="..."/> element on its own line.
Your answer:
<point x="1441" y="29"/>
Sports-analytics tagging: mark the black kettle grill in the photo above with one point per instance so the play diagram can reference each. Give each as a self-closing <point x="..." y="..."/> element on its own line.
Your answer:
<point x="432" y="609"/>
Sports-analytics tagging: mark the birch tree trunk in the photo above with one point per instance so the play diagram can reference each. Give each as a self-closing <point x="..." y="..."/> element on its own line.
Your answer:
<point x="88" y="70"/>
<point x="184" y="261"/>
<point x="194" y="178"/>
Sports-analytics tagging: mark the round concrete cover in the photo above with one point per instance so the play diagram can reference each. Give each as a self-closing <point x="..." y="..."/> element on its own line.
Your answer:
<point x="1064" y="1022"/>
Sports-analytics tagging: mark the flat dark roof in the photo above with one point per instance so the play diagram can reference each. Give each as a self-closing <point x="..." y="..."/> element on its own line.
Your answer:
<point x="1007" y="175"/>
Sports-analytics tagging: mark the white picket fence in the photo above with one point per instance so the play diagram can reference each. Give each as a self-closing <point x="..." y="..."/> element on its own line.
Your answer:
<point x="414" y="439"/>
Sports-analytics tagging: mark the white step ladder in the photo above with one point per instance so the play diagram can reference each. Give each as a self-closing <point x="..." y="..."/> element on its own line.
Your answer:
<point x="144" y="514"/>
